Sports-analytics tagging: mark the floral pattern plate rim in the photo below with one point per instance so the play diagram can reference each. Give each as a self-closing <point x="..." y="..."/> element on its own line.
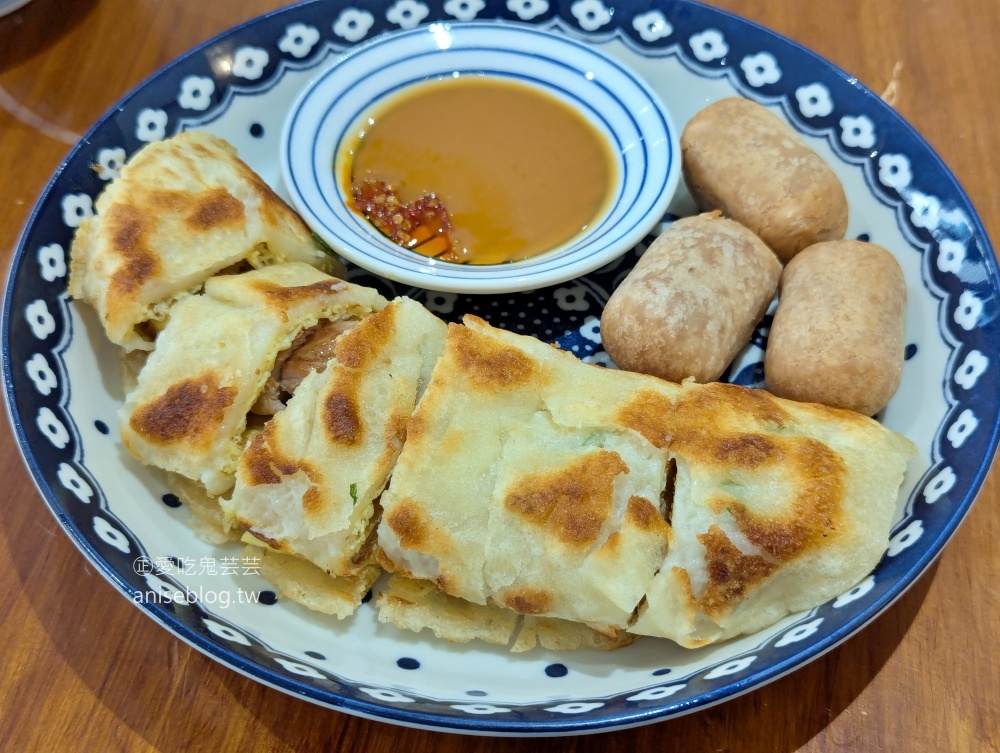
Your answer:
<point x="61" y="382"/>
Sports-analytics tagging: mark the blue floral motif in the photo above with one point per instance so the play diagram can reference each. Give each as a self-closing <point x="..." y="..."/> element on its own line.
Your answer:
<point x="41" y="375"/>
<point x="73" y="481"/>
<point x="299" y="40"/>
<point x="464" y="10"/>
<point x="111" y="535"/>
<point x="709" y="45"/>
<point x="590" y="14"/>
<point x="894" y="171"/>
<point x="52" y="428"/>
<point x="407" y="13"/>
<point x="652" y="25"/>
<point x="600" y="358"/>
<point x="657" y="693"/>
<point x="40" y="320"/>
<point x="731" y="667"/>
<point x="905" y="538"/>
<point x="940" y="485"/>
<point x="855" y="593"/>
<point x="574" y="708"/>
<point x="440" y="303"/>
<point x="298" y="668"/>
<point x="926" y="210"/>
<point x="814" y="101"/>
<point x="527" y="9"/>
<point x="973" y="367"/>
<point x="196" y="93"/>
<point x="52" y="262"/>
<point x="798" y="633"/>
<point x="591" y="329"/>
<point x="761" y="69"/>
<point x="970" y="307"/>
<point x="384" y="694"/>
<point x="249" y="62"/>
<point x="76" y="207"/>
<point x="225" y="632"/>
<point x="964" y="425"/>
<point x="573" y="298"/>
<point x="353" y="24"/>
<point x="857" y="131"/>
<point x="109" y="163"/>
<point x="480" y="708"/>
<point x="955" y="263"/>
<point x="164" y="590"/>
<point x="151" y="125"/>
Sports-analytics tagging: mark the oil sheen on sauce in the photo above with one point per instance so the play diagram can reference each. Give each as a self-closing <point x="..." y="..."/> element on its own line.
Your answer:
<point x="517" y="171"/>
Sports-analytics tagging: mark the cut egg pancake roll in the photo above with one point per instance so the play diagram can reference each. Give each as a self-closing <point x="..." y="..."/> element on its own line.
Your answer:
<point x="778" y="507"/>
<point x="557" y="489"/>
<point x="494" y="500"/>
<point x="182" y="210"/>
<point x="216" y="356"/>
<point x="308" y="483"/>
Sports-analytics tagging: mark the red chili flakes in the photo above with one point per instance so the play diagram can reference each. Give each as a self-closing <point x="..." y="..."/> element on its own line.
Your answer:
<point x="422" y="225"/>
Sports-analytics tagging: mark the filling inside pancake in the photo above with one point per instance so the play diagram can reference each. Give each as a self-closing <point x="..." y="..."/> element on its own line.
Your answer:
<point x="188" y="412"/>
<point x="308" y="483"/>
<point x="309" y="352"/>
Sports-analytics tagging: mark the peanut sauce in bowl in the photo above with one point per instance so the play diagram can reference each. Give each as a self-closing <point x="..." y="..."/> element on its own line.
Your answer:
<point x="478" y="170"/>
<point x="479" y="157"/>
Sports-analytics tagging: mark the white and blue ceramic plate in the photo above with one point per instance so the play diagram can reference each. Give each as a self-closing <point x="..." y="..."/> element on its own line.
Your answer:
<point x="615" y="101"/>
<point x="62" y="387"/>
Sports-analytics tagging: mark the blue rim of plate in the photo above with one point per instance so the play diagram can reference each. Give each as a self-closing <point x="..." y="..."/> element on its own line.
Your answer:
<point x="942" y="227"/>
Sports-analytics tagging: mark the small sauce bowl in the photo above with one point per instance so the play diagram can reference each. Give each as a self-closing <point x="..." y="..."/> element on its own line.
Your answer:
<point x="324" y="122"/>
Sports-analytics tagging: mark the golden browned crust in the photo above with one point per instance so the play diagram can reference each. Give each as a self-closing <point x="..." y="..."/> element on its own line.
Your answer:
<point x="360" y="347"/>
<point x="648" y="414"/>
<point x="263" y="464"/>
<point x="487" y="363"/>
<point x="643" y="515"/>
<point x="721" y="424"/>
<point x="183" y="210"/>
<point x="527" y="600"/>
<point x="229" y="334"/>
<point x="407" y="522"/>
<point x="281" y="297"/>
<point x="815" y="511"/>
<point x="139" y="264"/>
<point x="342" y="412"/>
<point x="730" y="573"/>
<point x="573" y="502"/>
<point x="189" y="411"/>
<point x="214" y="208"/>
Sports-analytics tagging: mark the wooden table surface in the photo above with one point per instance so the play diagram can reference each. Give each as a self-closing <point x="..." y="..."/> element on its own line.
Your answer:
<point x="81" y="669"/>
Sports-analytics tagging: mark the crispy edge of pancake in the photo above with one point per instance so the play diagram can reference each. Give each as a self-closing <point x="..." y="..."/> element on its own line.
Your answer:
<point x="130" y="364"/>
<point x="562" y="635"/>
<point x="418" y="604"/>
<point x="306" y="584"/>
<point x="206" y="515"/>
